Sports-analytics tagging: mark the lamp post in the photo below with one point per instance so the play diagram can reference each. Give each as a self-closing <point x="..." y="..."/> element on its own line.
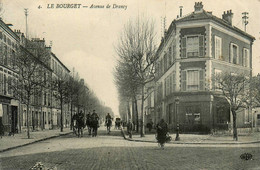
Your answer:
<point x="177" y="101"/>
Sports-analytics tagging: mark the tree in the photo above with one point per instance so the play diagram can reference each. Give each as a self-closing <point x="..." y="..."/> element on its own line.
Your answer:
<point x="255" y="90"/>
<point x="30" y="79"/>
<point x="235" y="89"/>
<point x="137" y="48"/>
<point x="60" y="88"/>
<point x="127" y="84"/>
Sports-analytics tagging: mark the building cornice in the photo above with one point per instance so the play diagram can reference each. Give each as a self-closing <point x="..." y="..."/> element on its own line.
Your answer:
<point x="9" y="30"/>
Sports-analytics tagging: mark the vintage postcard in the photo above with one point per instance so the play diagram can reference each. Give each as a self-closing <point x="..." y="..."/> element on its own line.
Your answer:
<point x="129" y="84"/>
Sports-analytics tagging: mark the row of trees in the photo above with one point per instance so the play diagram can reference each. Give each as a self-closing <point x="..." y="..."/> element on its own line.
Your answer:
<point x="35" y="77"/>
<point x="135" y="67"/>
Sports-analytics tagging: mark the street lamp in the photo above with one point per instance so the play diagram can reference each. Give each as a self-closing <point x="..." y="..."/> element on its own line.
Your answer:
<point x="177" y="101"/>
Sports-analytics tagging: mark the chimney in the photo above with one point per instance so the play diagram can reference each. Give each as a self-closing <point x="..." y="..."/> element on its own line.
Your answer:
<point x="228" y="16"/>
<point x="181" y="11"/>
<point x="198" y="7"/>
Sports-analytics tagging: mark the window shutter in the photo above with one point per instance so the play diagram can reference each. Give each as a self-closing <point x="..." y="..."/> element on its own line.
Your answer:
<point x="170" y="56"/>
<point x="183" y="47"/>
<point x="183" y="80"/>
<point x="1" y="83"/>
<point x="248" y="58"/>
<point x="165" y="87"/>
<point x="173" y="53"/>
<point x="1" y="53"/>
<point x="201" y="46"/>
<point x="202" y="86"/>
<point x="237" y="55"/>
<point x="174" y="81"/>
<point x="231" y="53"/>
<point x="171" y="84"/>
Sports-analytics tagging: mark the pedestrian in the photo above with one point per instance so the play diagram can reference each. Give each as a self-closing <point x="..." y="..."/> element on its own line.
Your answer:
<point x="94" y="123"/>
<point x="130" y="127"/>
<point x="162" y="130"/>
<point x="108" y="122"/>
<point x="80" y="122"/>
<point x="150" y="125"/>
<point x="88" y="123"/>
<point x="74" y="123"/>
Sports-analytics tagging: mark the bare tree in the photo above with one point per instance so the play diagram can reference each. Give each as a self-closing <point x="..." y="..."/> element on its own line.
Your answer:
<point x="60" y="86"/>
<point x="30" y="79"/>
<point x="255" y="90"/>
<point x="127" y="84"/>
<point x="235" y="89"/>
<point x="137" y="47"/>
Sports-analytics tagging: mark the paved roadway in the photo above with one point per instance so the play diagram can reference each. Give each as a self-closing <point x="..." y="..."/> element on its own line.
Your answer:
<point x="113" y="152"/>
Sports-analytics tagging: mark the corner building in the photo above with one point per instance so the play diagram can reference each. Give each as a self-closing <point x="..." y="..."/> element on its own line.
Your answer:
<point x="195" y="48"/>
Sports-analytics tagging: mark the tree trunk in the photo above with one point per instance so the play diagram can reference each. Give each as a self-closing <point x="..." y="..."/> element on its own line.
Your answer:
<point x="71" y="121"/>
<point x="128" y="111"/>
<point x="61" y="115"/>
<point x="27" y="119"/>
<point x="142" y="114"/>
<point x="235" y="137"/>
<point x="136" y="112"/>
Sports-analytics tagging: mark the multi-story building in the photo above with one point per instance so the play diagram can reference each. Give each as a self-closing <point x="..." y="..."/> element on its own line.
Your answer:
<point x="44" y="109"/>
<point x="9" y="43"/>
<point x="59" y="71"/>
<point x="195" y="48"/>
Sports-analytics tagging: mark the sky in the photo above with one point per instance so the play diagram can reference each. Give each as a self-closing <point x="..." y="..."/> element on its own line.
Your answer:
<point x="85" y="38"/>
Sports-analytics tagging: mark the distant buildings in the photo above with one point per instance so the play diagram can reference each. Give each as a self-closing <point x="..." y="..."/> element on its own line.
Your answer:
<point x="196" y="47"/>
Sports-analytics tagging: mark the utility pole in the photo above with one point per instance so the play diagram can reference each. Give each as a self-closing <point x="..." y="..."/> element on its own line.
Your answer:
<point x="245" y="19"/>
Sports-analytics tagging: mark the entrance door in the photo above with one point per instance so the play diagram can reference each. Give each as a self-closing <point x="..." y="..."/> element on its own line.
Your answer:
<point x="14" y="119"/>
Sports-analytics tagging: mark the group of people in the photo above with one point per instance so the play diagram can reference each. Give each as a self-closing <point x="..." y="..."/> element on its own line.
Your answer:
<point x="91" y="121"/>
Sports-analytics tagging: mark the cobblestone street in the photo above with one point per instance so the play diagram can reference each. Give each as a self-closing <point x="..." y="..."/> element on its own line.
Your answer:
<point x="113" y="152"/>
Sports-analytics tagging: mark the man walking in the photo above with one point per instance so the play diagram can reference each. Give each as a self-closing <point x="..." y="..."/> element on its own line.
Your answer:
<point x="130" y="127"/>
<point x="95" y="123"/>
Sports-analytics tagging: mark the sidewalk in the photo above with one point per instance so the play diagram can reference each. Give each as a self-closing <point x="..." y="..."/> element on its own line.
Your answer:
<point x="20" y="139"/>
<point x="200" y="139"/>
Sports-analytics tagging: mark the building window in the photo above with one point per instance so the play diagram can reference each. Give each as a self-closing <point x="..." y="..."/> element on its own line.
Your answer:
<point x="193" y="114"/>
<point x="218" y="48"/>
<point x="170" y="56"/>
<point x="192" y="46"/>
<point x="245" y="57"/>
<point x="173" y="82"/>
<point x="217" y="83"/>
<point x="246" y="113"/>
<point x="234" y="54"/>
<point x="192" y="80"/>
<point x="165" y="62"/>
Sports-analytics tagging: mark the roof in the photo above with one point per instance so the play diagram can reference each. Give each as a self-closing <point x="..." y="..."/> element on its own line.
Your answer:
<point x="60" y="61"/>
<point x="196" y="16"/>
<point x="9" y="30"/>
<point x="208" y="15"/>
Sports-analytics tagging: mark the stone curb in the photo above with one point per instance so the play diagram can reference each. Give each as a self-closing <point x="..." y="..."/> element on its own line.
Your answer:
<point x="189" y="143"/>
<point x="43" y="139"/>
<point x="194" y="143"/>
